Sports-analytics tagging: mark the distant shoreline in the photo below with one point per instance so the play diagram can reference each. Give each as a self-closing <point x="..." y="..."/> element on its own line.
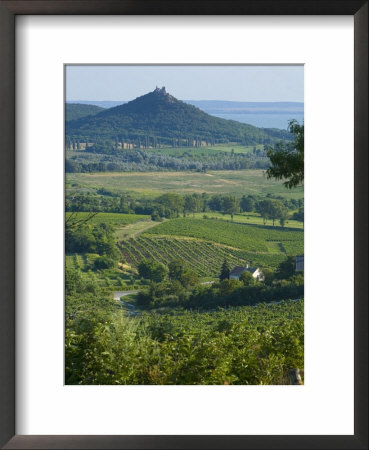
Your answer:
<point x="219" y="106"/>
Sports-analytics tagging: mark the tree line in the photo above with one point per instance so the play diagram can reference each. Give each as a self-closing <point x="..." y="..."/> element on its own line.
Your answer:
<point x="178" y="285"/>
<point x="172" y="205"/>
<point x="111" y="159"/>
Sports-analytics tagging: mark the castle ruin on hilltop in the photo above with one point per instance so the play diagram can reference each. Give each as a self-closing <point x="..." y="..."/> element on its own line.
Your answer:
<point x="161" y="91"/>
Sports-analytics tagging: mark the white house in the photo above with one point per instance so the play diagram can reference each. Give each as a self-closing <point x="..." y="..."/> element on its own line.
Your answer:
<point x="239" y="270"/>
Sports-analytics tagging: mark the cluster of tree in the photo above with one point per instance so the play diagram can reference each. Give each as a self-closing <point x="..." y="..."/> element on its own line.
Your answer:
<point x="101" y="203"/>
<point x="97" y="239"/>
<point x="171" y="280"/>
<point x="236" y="293"/>
<point x="250" y="203"/>
<point x="99" y="158"/>
<point x="273" y="209"/>
<point x="171" y="205"/>
<point x="178" y="285"/>
<point x="287" y="158"/>
<point x="299" y="215"/>
<point x="285" y="271"/>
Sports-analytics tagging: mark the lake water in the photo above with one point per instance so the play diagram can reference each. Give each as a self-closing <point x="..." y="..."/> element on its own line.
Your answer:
<point x="263" y="120"/>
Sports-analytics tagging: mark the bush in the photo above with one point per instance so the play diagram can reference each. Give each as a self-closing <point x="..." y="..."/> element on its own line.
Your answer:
<point x="103" y="262"/>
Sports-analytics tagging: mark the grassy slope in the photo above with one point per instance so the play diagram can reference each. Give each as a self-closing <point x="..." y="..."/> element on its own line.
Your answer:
<point x="249" y="218"/>
<point x="114" y="219"/>
<point x="243" y="236"/>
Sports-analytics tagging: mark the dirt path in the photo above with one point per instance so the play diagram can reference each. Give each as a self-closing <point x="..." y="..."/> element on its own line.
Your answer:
<point x="134" y="229"/>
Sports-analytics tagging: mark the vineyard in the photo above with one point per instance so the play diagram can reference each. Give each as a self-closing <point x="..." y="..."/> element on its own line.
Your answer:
<point x="205" y="257"/>
<point x="253" y="239"/>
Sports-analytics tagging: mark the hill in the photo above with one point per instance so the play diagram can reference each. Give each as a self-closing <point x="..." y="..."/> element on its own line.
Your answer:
<point x="102" y="103"/>
<point x="230" y="107"/>
<point x="75" y="111"/>
<point x="157" y="118"/>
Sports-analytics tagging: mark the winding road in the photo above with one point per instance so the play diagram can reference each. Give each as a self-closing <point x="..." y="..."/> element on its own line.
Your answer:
<point x="117" y="298"/>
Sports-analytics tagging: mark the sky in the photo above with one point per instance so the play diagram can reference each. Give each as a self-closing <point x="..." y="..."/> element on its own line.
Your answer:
<point x="234" y="83"/>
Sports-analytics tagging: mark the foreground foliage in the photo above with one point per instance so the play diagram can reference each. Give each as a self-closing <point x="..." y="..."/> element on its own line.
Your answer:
<point x="245" y="345"/>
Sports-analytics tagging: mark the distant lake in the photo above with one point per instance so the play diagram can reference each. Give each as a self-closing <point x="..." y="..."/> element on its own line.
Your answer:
<point x="263" y="120"/>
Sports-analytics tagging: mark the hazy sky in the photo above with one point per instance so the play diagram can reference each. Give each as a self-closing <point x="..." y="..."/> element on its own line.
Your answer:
<point x="236" y="83"/>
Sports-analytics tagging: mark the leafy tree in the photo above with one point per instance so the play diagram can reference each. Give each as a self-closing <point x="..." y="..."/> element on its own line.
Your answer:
<point x="299" y="215"/>
<point x="215" y="203"/>
<point x="152" y="270"/>
<point x="247" y="204"/>
<point x="247" y="279"/>
<point x="282" y="219"/>
<point x="224" y="274"/>
<point x="176" y="267"/>
<point x="272" y="209"/>
<point x="155" y="216"/>
<point x="159" y="272"/>
<point x="103" y="262"/>
<point x="174" y="202"/>
<point x="189" y="278"/>
<point x="230" y="205"/>
<point x="287" y="158"/>
<point x="286" y="268"/>
<point x="190" y="204"/>
<point x="73" y="281"/>
<point x="144" y="268"/>
<point x="178" y="271"/>
<point x="263" y="209"/>
<point x="268" y="276"/>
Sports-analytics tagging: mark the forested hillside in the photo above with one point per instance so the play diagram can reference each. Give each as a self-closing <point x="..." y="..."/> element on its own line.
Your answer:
<point x="75" y="111"/>
<point x="158" y="119"/>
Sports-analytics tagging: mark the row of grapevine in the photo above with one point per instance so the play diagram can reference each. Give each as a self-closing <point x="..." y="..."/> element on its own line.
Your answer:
<point x="251" y="238"/>
<point x="204" y="257"/>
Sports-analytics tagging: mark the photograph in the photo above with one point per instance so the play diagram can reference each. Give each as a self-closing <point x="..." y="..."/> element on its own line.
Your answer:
<point x="184" y="224"/>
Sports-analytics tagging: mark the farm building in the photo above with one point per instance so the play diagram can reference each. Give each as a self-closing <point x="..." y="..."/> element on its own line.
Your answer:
<point x="299" y="263"/>
<point x="239" y="270"/>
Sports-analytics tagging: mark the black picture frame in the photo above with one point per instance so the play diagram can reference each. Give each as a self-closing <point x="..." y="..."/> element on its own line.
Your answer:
<point x="8" y="11"/>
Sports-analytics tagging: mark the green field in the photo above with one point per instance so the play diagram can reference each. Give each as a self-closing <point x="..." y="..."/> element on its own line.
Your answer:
<point x="205" y="243"/>
<point x="248" y="218"/>
<point x="243" y="236"/>
<point x="114" y="219"/>
<point x="118" y="278"/>
<point x="152" y="184"/>
<point x="202" y="243"/>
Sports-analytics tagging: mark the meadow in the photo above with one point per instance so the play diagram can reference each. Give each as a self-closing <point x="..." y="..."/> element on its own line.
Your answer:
<point x="153" y="184"/>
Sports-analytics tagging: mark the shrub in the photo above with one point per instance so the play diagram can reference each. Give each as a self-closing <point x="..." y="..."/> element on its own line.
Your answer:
<point x="103" y="262"/>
